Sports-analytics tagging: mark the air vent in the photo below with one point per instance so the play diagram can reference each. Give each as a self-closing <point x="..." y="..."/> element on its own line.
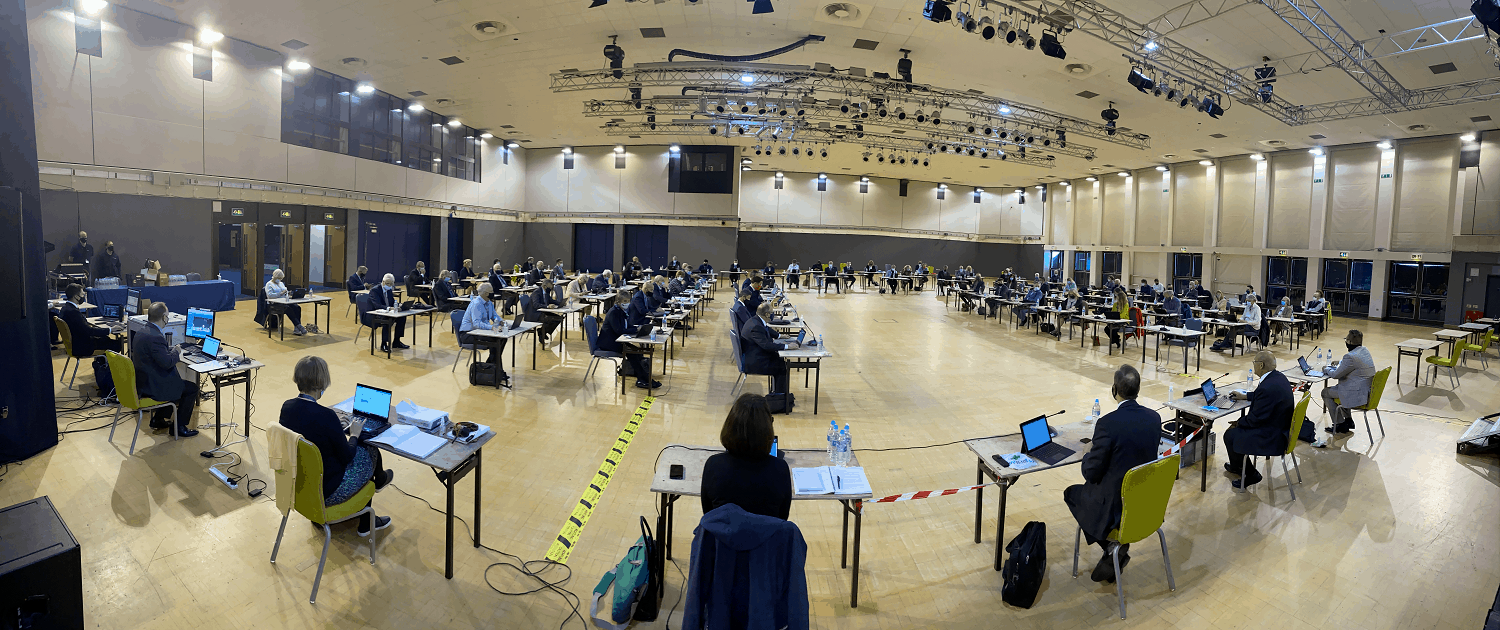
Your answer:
<point x="1078" y="68"/>
<point x="1418" y="127"/>
<point x="486" y="30"/>
<point x="652" y="33"/>
<point x="452" y="61"/>
<point x="849" y="14"/>
<point x="1318" y="136"/>
<point x="1273" y="143"/>
<point x="1217" y="135"/>
<point x="1479" y="119"/>
<point x="1088" y="94"/>
<point x="417" y="93"/>
<point x="353" y="62"/>
<point x="1200" y="150"/>
<point x="865" y="44"/>
<point x="898" y="131"/>
<point x="634" y="137"/>
<point x="1168" y="156"/>
<point x="294" y="44"/>
<point x="507" y="126"/>
<point x="446" y="102"/>
<point x="979" y="92"/>
<point x="568" y="70"/>
<point x="1443" y="68"/>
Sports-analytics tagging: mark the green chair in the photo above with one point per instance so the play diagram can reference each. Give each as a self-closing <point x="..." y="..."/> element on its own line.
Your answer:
<point x="1450" y="363"/>
<point x="309" y="502"/>
<point x="1298" y="416"/>
<point x="123" y="373"/>
<point x="1144" y="494"/>
<point x="1377" y="387"/>
<point x="66" y="334"/>
<point x="1480" y="349"/>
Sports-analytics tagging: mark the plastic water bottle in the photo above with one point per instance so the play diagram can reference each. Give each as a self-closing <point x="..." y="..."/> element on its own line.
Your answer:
<point x="1251" y="379"/>
<point x="1096" y="410"/>
<point x="820" y="341"/>
<point x="844" y="444"/>
<point x="1171" y="391"/>
<point x="833" y="436"/>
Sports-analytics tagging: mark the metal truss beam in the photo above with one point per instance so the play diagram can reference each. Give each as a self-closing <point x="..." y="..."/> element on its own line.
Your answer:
<point x="1382" y="46"/>
<point x="1440" y="96"/>
<point x="827" y="135"/>
<point x="1309" y="19"/>
<point x="820" y="112"/>
<point x="1192" y="13"/>
<point x="784" y="82"/>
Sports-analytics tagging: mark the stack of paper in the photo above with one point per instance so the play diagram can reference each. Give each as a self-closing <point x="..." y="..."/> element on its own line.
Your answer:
<point x="830" y="480"/>
<point x="408" y="439"/>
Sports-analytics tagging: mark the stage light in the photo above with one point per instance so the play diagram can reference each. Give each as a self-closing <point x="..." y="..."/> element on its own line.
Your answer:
<point x="761" y="6"/>
<point x="747" y="79"/>
<point x="1212" y="108"/>
<point x="1026" y="40"/>
<point x="1140" y="81"/>
<point x="880" y="157"/>
<point x="823" y="153"/>
<point x="1052" y="47"/>
<point x="865" y="157"/>
<point x="794" y="151"/>
<point x="1150" y="45"/>
<point x="900" y="114"/>
<point x="987" y="28"/>
<point x="921" y="118"/>
<point x="209" y="36"/>
<point x="937" y="11"/>
<point x="1004" y="109"/>
<point x="616" y="57"/>
<point x="1009" y="29"/>
<point x="1187" y="99"/>
<point x="297" y="66"/>
<point x="903" y="66"/>
<point x="1265" y="93"/>
<point x="924" y="162"/>
<point x="781" y="150"/>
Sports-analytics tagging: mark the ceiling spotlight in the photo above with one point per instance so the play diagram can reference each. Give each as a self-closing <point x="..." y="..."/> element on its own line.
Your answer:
<point x="416" y="107"/>
<point x="903" y="66"/>
<point x="937" y="118"/>
<point x="903" y="159"/>
<point x="1384" y="145"/>
<point x="712" y="130"/>
<point x="937" y="11"/>
<point x="744" y="108"/>
<point x="1110" y="114"/>
<point x="864" y="179"/>
<point x="762" y="110"/>
<point x="757" y="149"/>
<point x="451" y="123"/>
<point x="209" y="36"/>
<point x="1257" y="157"/>
<point x="1266" y="93"/>
<point x="900" y="114"/>
<point x="921" y="118"/>
<point x="719" y="108"/>
<point x="781" y="151"/>
<point x="513" y="145"/>
<point x="1316" y="150"/>
<point x="1123" y="174"/>
<point x="880" y="157"/>
<point x="822" y="175"/>
<point x="971" y="128"/>
<point x="1189" y="99"/>
<point x="621" y="149"/>
<point x="92" y="7"/>
<point x="486" y="135"/>
<point x="675" y="149"/>
<point x="1027" y="40"/>
<point x="744" y="168"/>
<point x="1140" y="81"/>
<point x="794" y="151"/>
<point x="924" y="162"/>
<point x="761" y="6"/>
<point x="1468" y="137"/>
<point x="365" y="88"/>
<point x="989" y="131"/>
<point x="1052" y="46"/>
<point x="1211" y="107"/>
<point x="567" y="150"/>
<point x="1091" y="179"/>
<point x="942" y="187"/>
<point x="297" y="66"/>
<point x="984" y="153"/>
<point x="1205" y="162"/>
<point x="1009" y="30"/>
<point x="615" y="55"/>
<point x="987" y="28"/>
<point x="779" y="175"/>
<point x="1162" y="169"/>
<point x="747" y="79"/>
<point x="1004" y="109"/>
<point x="866" y="156"/>
<point x="823" y="153"/>
<point x="1151" y="45"/>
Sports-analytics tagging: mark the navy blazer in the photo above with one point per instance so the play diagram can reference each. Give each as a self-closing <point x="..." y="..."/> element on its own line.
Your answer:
<point x="752" y="304"/>
<point x="615" y="324"/>
<point x="737" y="315"/>
<point x="497" y="280"/>
<point x="321" y="426"/>
<point x="1264" y="428"/>
<point x="382" y="297"/>
<point x="598" y="284"/>
<point x="638" y="309"/>
<point x="84" y="334"/>
<point x="762" y="352"/>
<point x="155" y="366"/>
<point x="354" y="283"/>
<point x="1123" y="439"/>
<point x="540" y="299"/>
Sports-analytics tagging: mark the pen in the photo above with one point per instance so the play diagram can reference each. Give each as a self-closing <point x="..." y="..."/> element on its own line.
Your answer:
<point x="838" y="482"/>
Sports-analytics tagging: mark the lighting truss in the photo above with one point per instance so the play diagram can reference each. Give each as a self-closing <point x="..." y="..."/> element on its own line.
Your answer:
<point x="1309" y="19"/>
<point x="1440" y="96"/>
<point x="822" y="134"/>
<point x="824" y="112"/>
<point x="725" y="77"/>
<point x="1389" y="45"/>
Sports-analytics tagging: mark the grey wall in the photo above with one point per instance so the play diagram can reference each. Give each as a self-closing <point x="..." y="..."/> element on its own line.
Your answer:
<point x="992" y="258"/>
<point x="1465" y="291"/>
<point x="755" y="248"/>
<point x="549" y="242"/>
<point x="497" y="239"/>
<point x="693" y="244"/>
<point x="178" y="232"/>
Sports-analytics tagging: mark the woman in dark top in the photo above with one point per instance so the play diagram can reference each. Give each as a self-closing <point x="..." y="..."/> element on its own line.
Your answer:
<point x="746" y="474"/>
<point x="347" y="463"/>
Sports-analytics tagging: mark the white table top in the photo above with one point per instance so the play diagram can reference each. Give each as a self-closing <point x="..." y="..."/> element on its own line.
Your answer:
<point x="509" y="332"/>
<point x="1476" y="327"/>
<point x="1174" y="331"/>
<point x="693" y="458"/>
<point x="306" y="299"/>
<point x="385" y="312"/>
<point x="1450" y="334"/>
<point x="806" y="352"/>
<point x="1193" y="405"/>
<point x="1067" y="435"/>
<point x="663" y="335"/>
<point x="1419" y="344"/>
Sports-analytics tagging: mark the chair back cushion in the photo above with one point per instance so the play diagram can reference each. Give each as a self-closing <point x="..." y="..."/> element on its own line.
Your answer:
<point x="362" y="304"/>
<point x="123" y="373"/>
<point x="1377" y="386"/>
<point x="65" y="333"/>
<point x="457" y="317"/>
<point x="1299" y="415"/>
<point x="308" y="498"/>
<point x="1144" y="495"/>
<point x="739" y="357"/>
<point x="591" y="332"/>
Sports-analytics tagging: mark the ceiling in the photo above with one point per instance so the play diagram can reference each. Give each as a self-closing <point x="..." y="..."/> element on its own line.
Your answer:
<point x="504" y="78"/>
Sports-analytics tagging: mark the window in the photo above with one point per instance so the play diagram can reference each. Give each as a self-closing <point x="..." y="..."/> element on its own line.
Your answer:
<point x="1185" y="269"/>
<point x="1286" y="277"/>
<point x="1112" y="265"/>
<point x="694" y="162"/>
<point x="1081" y="263"/>
<point x="1346" y="286"/>
<point x="321" y="110"/>
<point x="1052" y="260"/>
<point x="1417" y="292"/>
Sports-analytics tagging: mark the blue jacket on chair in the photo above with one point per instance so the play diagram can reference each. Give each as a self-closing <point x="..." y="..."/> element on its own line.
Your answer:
<point x="746" y="571"/>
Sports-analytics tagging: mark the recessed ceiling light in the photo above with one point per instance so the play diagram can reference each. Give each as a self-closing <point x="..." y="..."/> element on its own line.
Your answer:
<point x="1205" y="162"/>
<point x="365" y="88"/>
<point x="1384" y="145"/>
<point x="567" y="149"/>
<point x="92" y="7"/>
<point x="1316" y="150"/>
<point x="512" y="145"/>
<point x="416" y="107"/>
<point x="486" y="135"/>
<point x="621" y="149"/>
<point x="209" y="36"/>
<point x="454" y="122"/>
<point x="1468" y="137"/>
<point x="1257" y="157"/>
<point x="297" y="65"/>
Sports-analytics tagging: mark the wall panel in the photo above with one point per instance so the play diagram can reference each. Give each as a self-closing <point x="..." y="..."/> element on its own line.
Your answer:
<point x="1291" y="200"/>
<point x="883" y="205"/>
<point x="1117" y="203"/>
<point x="1237" y="202"/>
<point x="1151" y="207"/>
<point x="1424" y="201"/>
<point x="1355" y="177"/>
<point x="1085" y="213"/>
<point x="1190" y="205"/>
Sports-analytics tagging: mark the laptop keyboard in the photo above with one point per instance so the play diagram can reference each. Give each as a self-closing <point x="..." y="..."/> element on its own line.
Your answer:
<point x="1051" y="452"/>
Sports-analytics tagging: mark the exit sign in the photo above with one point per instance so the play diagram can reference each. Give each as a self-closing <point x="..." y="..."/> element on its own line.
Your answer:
<point x="1385" y="176"/>
<point x="1184" y="250"/>
<point x="1343" y="254"/>
<point x="327" y="216"/>
<point x="238" y="212"/>
<point x="1280" y="252"/>
<point x="286" y="214"/>
<point x="1416" y="257"/>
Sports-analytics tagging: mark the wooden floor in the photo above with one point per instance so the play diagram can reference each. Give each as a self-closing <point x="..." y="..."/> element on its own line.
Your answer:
<point x="1401" y="533"/>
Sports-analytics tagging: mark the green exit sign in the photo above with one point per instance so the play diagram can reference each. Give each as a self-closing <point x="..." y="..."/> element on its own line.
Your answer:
<point x="286" y="214"/>
<point x="1385" y="176"/>
<point x="238" y="212"/>
<point x="1317" y="180"/>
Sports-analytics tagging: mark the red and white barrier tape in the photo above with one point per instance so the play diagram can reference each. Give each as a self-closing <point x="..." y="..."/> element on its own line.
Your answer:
<point x="1178" y="446"/>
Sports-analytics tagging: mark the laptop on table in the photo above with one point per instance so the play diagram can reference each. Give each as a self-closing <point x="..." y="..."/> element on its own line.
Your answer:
<point x="1307" y="370"/>
<point x="1210" y="393"/>
<point x="1036" y="442"/>
<point x="373" y="406"/>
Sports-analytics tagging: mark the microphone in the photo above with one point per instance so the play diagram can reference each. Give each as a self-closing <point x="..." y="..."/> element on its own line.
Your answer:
<point x="1057" y="413"/>
<point x="1218" y="377"/>
<point x="242" y="350"/>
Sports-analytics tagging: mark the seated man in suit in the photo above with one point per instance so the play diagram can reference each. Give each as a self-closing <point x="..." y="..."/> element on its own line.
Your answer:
<point x="756" y="298"/>
<point x="635" y="311"/>
<point x="481" y="315"/>
<point x="762" y="350"/>
<point x="558" y="271"/>
<point x="543" y="297"/>
<point x="740" y="311"/>
<point x="156" y="372"/>
<point x="356" y="281"/>
<point x="528" y="265"/>
<point x="416" y="277"/>
<point x="1355" y="372"/>
<point x="892" y="280"/>
<point x="966" y="299"/>
<point x="793" y="275"/>
<point x="616" y="323"/>
<point x="442" y="288"/>
<point x="768" y="274"/>
<point x="1170" y="305"/>
<point x="1317" y="309"/>
<point x="674" y="265"/>
<point x="384" y="296"/>
<point x="1123" y="439"/>
<point x="87" y="338"/>
<point x="601" y="283"/>
<point x="1028" y="304"/>
<point x="1265" y="427"/>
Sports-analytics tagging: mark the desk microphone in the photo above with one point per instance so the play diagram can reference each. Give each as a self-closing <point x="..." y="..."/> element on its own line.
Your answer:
<point x="244" y="354"/>
<point x="1058" y="413"/>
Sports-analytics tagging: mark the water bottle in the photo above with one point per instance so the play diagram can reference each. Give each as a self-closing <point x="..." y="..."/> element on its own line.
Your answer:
<point x="1250" y="377"/>
<point x="845" y="444"/>
<point x="820" y="341"/>
<point x="1096" y="410"/>
<point x="1171" y="391"/>
<point x="833" y="436"/>
<point x="653" y="334"/>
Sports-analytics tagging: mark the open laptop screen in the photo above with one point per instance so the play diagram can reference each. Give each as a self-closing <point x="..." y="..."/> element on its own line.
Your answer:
<point x="372" y="402"/>
<point x="1035" y="434"/>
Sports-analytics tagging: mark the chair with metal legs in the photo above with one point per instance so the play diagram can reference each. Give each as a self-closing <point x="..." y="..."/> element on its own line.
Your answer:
<point x="1144" y="493"/>
<point x="1299" y="415"/>
<point x="309" y="502"/>
<point x="123" y="373"/>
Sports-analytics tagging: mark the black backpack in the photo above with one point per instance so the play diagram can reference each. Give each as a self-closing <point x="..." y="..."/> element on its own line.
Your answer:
<point x="781" y="403"/>
<point x="1026" y="566"/>
<point x="102" y="377"/>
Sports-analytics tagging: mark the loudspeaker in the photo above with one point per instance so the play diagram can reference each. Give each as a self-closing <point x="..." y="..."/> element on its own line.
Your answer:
<point x="41" y="569"/>
<point x="904" y="182"/>
<point x="12" y="267"/>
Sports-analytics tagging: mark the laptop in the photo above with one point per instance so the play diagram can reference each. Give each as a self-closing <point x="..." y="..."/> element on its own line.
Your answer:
<point x="373" y="405"/>
<point x="209" y="351"/>
<point x="407" y="305"/>
<point x="298" y="293"/>
<point x="516" y="323"/>
<point x="1036" y="442"/>
<point x="1210" y="393"/>
<point x="801" y="336"/>
<point x="110" y="312"/>
<point x="1307" y="369"/>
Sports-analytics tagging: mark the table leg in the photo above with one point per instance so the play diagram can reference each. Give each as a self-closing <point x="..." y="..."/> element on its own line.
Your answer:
<point x="859" y="517"/>
<point x="844" y="543"/>
<point x="533" y="349"/>
<point x="663" y="541"/>
<point x="247" y="405"/>
<point x="448" y="549"/>
<point x="478" y="487"/>
<point x="430" y="326"/>
<point x="219" y="412"/>
<point x="817" y="382"/>
<point x="1399" y="354"/>
<point x="1208" y="429"/>
<point x="978" y="501"/>
<point x="671" y="521"/>
<point x="1000" y="525"/>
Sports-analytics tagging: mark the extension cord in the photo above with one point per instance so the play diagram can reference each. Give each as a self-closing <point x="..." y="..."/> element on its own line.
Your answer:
<point x="224" y="478"/>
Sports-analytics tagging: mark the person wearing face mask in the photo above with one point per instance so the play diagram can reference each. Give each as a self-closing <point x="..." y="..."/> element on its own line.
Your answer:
<point x="1265" y="427"/>
<point x="348" y="463"/>
<point x="416" y="277"/>
<point x="156" y="377"/>
<point x="87" y="338"/>
<point x="384" y="296"/>
<point x="82" y="252"/>
<point x="1123" y="439"/>
<point x="1283" y="309"/>
<point x="108" y="264"/>
<point x="277" y="289"/>
<point x="1355" y="372"/>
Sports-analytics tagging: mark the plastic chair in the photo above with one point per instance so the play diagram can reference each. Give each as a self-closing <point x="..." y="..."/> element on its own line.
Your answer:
<point x="1128" y="331"/>
<point x="1377" y="387"/>
<point x="1479" y="349"/>
<point x="739" y="363"/>
<point x="309" y="502"/>
<point x="123" y="373"/>
<point x="1185" y="344"/>
<point x="597" y="356"/>
<point x="362" y="307"/>
<point x="1144" y="494"/>
<point x="457" y="319"/>
<point x="64" y="333"/>
<point x="1450" y="363"/>
<point x="1298" y="416"/>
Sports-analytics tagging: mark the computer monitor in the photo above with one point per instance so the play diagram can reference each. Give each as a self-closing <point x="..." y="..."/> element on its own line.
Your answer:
<point x="132" y="302"/>
<point x="200" y="323"/>
<point x="211" y="346"/>
<point x="372" y="402"/>
<point x="1035" y="434"/>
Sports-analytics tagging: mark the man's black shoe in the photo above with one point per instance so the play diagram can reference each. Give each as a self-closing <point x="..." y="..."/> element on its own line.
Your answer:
<point x="1251" y="478"/>
<point x="186" y="433"/>
<point x="399" y="346"/>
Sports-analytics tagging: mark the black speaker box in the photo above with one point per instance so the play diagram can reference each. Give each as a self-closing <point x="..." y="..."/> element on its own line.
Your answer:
<point x="41" y="569"/>
<point x="904" y="183"/>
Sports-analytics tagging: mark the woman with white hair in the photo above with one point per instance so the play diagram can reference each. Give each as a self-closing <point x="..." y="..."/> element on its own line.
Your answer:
<point x="276" y="289"/>
<point x="384" y="296"/>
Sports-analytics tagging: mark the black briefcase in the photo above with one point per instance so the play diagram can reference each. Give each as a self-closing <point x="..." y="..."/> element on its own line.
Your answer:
<point x="486" y="374"/>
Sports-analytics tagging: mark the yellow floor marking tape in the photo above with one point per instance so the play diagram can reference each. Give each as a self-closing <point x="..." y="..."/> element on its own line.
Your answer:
<point x="567" y="539"/>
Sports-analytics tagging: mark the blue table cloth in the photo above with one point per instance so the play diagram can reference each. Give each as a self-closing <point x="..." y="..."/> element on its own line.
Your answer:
<point x="215" y="295"/>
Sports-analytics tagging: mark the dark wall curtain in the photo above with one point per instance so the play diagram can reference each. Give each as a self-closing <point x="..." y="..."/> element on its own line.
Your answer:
<point x="393" y="243"/>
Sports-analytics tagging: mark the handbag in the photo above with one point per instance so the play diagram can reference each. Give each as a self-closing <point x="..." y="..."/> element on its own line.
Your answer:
<point x="485" y="374"/>
<point x="1024" y="569"/>
<point x="102" y="377"/>
<point x="629" y="585"/>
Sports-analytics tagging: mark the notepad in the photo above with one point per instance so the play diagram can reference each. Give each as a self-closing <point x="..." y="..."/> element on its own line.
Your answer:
<point x="830" y="480"/>
<point x="1019" y="461"/>
<point x="408" y="439"/>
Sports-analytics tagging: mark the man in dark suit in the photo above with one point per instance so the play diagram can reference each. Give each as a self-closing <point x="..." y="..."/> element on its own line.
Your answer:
<point x="638" y="309"/>
<point x="82" y="252"/>
<point x="87" y="338"/>
<point x="601" y="282"/>
<point x="543" y="297"/>
<point x="753" y="304"/>
<point x="739" y="312"/>
<point x="1123" y="439"/>
<point x="498" y="280"/>
<point x="762" y="351"/>
<point x="529" y="265"/>
<point x="1266" y="426"/>
<point x="616" y="323"/>
<point x="156" y="372"/>
<point x="384" y="296"/>
<point x="705" y="267"/>
<point x="416" y="277"/>
<point x="107" y="265"/>
<point x="356" y="281"/>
